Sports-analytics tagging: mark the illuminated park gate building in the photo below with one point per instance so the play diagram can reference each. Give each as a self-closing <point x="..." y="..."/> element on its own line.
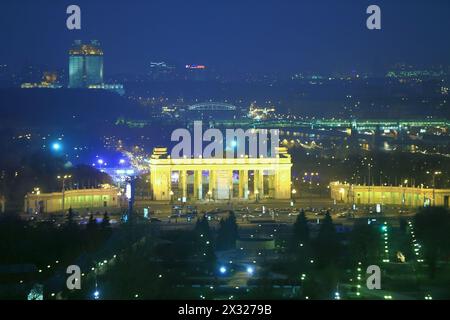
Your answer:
<point x="201" y="179"/>
<point x="389" y="195"/>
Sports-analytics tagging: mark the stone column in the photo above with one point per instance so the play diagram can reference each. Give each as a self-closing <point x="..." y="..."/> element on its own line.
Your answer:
<point x="183" y="182"/>
<point x="160" y="184"/>
<point x="230" y="184"/>
<point x="243" y="184"/>
<point x="257" y="184"/>
<point x="271" y="183"/>
<point x="283" y="183"/>
<point x="212" y="183"/>
<point x="260" y="183"/>
<point x="198" y="185"/>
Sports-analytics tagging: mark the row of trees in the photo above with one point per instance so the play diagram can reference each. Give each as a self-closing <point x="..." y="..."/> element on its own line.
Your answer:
<point x="207" y="241"/>
<point x="325" y="247"/>
<point x="432" y="226"/>
<point x="27" y="242"/>
<point x="324" y="256"/>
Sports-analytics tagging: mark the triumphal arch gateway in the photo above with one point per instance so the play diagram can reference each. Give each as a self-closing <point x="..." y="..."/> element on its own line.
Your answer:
<point x="201" y="179"/>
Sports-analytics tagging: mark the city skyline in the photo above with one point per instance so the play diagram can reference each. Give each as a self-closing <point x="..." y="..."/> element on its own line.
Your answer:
<point x="224" y="152"/>
<point x="306" y="35"/>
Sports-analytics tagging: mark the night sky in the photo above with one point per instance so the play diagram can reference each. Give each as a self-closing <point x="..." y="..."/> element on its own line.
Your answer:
<point x="234" y="35"/>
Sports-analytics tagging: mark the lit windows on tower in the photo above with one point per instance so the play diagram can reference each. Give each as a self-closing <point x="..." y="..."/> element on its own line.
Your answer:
<point x="85" y="65"/>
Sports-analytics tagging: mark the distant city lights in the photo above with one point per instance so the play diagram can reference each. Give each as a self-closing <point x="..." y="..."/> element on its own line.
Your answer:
<point x="195" y="67"/>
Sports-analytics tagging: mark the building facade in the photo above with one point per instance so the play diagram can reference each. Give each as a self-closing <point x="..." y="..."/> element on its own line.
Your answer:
<point x="85" y="65"/>
<point x="198" y="179"/>
<point x="2" y="204"/>
<point x="389" y="195"/>
<point x="75" y="199"/>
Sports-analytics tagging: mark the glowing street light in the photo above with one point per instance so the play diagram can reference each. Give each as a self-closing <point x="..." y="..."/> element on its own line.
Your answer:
<point x="436" y="173"/>
<point x="56" y="146"/>
<point x="250" y="270"/>
<point x="223" y="270"/>
<point x="64" y="178"/>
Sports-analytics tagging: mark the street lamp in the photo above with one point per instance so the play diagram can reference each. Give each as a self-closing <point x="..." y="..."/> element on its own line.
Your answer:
<point x="63" y="178"/>
<point x="171" y="196"/>
<point x="37" y="191"/>
<point x="436" y="173"/>
<point x="293" y="192"/>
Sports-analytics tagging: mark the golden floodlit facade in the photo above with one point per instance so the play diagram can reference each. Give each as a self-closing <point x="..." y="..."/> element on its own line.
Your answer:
<point x="106" y="198"/>
<point x="201" y="179"/>
<point x="389" y="195"/>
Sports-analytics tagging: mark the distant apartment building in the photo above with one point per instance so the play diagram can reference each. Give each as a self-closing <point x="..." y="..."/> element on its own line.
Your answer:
<point x="85" y="65"/>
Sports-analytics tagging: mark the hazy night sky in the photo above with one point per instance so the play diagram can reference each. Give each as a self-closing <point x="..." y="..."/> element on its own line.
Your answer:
<point x="238" y="35"/>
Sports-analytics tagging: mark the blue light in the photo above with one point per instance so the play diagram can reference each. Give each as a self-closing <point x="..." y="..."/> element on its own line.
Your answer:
<point x="56" y="146"/>
<point x="96" y="295"/>
<point x="121" y="161"/>
<point x="250" y="270"/>
<point x="100" y="161"/>
<point x="234" y="143"/>
<point x="223" y="270"/>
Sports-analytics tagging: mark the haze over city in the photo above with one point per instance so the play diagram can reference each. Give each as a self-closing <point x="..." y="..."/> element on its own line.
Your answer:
<point x="238" y="36"/>
<point x="211" y="151"/>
